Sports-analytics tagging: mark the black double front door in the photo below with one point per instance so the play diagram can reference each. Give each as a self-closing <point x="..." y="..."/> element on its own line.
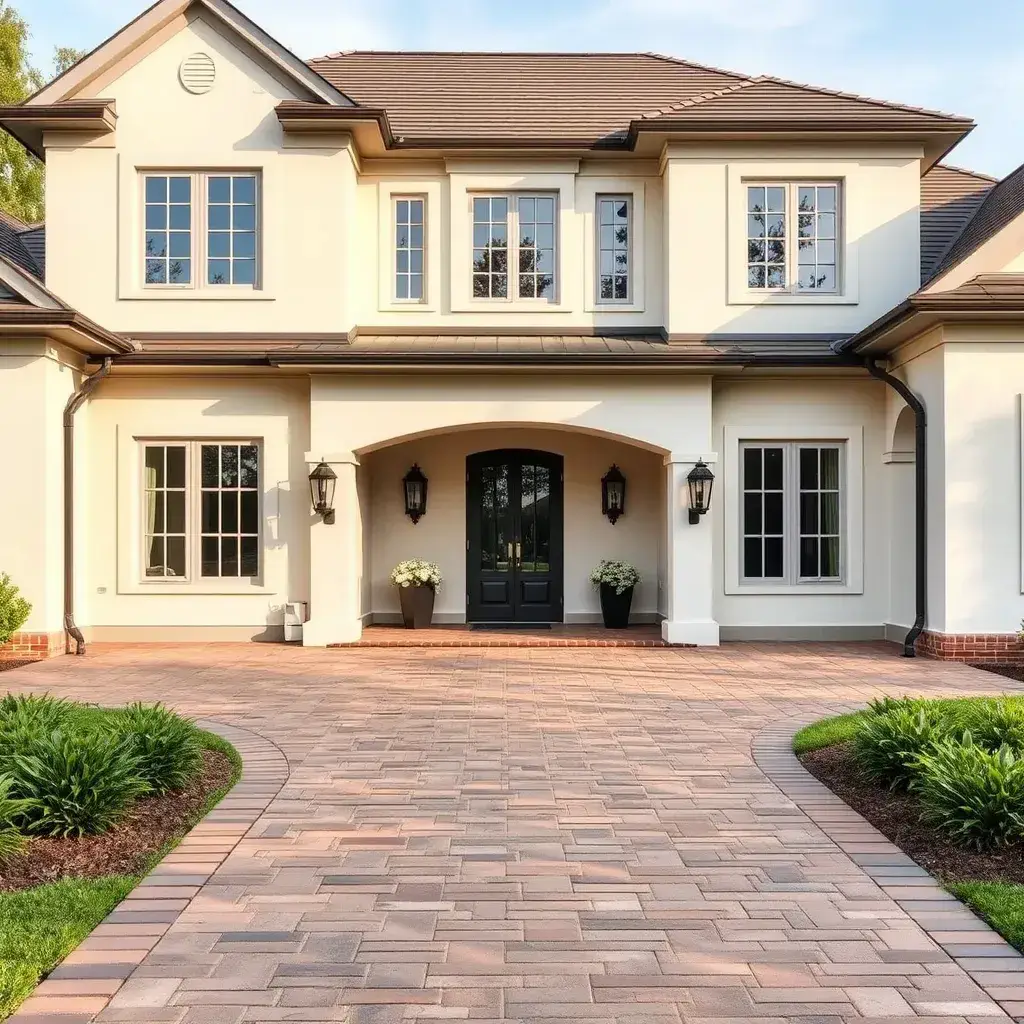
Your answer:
<point x="514" y="531"/>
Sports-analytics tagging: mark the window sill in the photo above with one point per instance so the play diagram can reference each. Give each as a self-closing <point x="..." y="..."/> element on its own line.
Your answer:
<point x="791" y="589"/>
<point x="200" y="589"/>
<point x="750" y="298"/>
<point x="196" y="295"/>
<point x="615" y="307"/>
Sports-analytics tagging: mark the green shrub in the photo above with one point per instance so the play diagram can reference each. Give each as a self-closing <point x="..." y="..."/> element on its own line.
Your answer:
<point x="887" y="705"/>
<point x="888" y="742"/>
<point x="974" y="795"/>
<point x="14" y="609"/>
<point x="11" y="839"/>
<point x="79" y="781"/>
<point x="26" y="717"/>
<point x="167" y="747"/>
<point x="993" y="723"/>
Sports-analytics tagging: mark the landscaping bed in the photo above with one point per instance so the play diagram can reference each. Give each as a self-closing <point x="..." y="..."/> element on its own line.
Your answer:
<point x="943" y="780"/>
<point x="90" y="799"/>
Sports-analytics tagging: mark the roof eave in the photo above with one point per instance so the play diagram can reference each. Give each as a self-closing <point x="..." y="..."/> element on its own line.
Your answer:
<point x="65" y="326"/>
<point x="29" y="123"/>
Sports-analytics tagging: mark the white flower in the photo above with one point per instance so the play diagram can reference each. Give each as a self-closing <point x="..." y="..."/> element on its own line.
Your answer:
<point x="416" y="572"/>
<point x="620" y="575"/>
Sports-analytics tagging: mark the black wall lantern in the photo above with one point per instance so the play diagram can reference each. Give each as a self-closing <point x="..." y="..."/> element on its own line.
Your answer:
<point x="613" y="494"/>
<point x="414" y="483"/>
<point x="322" y="482"/>
<point x="700" y="480"/>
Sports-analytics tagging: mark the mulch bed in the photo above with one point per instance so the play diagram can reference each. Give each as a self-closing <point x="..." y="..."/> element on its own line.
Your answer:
<point x="1015" y="672"/>
<point x="150" y="823"/>
<point x="898" y="817"/>
<point x="6" y="663"/>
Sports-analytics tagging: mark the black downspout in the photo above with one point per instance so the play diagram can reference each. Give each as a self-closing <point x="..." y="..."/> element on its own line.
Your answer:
<point x="76" y="400"/>
<point x="921" y="498"/>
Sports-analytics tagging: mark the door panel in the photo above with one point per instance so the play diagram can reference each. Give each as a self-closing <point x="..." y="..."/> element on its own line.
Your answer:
<point x="514" y="529"/>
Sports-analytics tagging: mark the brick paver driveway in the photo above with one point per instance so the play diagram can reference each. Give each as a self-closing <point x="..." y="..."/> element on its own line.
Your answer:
<point x="532" y="835"/>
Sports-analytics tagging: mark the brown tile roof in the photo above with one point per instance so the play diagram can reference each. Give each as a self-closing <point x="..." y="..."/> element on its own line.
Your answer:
<point x="588" y="98"/>
<point x="950" y="196"/>
<point x="570" y="95"/>
<point x="1003" y="203"/>
<point x="767" y="98"/>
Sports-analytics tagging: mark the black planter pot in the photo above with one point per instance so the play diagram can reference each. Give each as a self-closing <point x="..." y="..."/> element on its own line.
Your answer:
<point x="615" y="607"/>
<point x="417" y="606"/>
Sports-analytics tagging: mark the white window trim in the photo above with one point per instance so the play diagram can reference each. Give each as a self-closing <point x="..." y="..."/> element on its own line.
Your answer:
<point x="791" y="513"/>
<point x="194" y="581"/>
<point x="630" y="253"/>
<point x="852" y="499"/>
<point x="198" y="286"/>
<point x="388" y="192"/>
<point x="743" y="173"/>
<point x="513" y="298"/>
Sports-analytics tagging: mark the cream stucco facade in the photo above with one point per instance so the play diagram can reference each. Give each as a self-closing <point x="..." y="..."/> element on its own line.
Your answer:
<point x="321" y="361"/>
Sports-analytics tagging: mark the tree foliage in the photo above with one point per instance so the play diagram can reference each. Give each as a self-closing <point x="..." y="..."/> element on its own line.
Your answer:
<point x="21" y="174"/>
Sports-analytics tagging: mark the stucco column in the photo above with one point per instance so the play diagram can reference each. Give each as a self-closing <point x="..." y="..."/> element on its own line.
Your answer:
<point x="336" y="561"/>
<point x="689" y="579"/>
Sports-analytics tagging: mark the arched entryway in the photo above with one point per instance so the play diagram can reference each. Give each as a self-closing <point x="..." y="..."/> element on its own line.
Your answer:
<point x="514" y="536"/>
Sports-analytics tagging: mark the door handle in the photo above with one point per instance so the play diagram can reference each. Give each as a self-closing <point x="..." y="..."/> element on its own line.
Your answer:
<point x="519" y="554"/>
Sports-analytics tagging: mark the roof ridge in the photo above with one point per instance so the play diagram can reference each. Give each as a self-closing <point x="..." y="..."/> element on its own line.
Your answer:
<point x="888" y="104"/>
<point x="524" y="53"/>
<point x="694" y="101"/>
<point x="981" y="175"/>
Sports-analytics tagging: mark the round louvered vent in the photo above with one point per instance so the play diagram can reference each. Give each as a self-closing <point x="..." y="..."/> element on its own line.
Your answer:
<point x="197" y="73"/>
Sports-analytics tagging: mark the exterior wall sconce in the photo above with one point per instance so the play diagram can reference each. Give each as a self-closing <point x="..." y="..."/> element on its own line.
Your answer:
<point x="613" y="494"/>
<point x="414" y="483"/>
<point x="700" y="480"/>
<point x="322" y="482"/>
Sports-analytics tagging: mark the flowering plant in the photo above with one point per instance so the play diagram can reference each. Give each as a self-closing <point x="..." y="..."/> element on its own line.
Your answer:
<point x="620" y="575"/>
<point x="414" y="572"/>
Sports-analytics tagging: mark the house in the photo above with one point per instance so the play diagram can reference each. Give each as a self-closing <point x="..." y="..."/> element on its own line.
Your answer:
<point x="513" y="272"/>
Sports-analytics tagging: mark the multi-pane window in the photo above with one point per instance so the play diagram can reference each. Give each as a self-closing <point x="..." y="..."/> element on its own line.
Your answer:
<point x="230" y="510"/>
<point x="201" y="510"/>
<point x="792" y="236"/>
<point x="490" y="247"/>
<point x="409" y="248"/>
<point x="536" y="215"/>
<point x="163" y="510"/>
<point x="613" y="248"/>
<point x="201" y="230"/>
<point x="792" y="512"/>
<point x="168" y="226"/>
<point x="530" y="262"/>
<point x="231" y="229"/>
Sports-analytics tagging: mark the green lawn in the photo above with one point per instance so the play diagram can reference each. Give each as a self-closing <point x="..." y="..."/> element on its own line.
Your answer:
<point x="40" y="926"/>
<point x="841" y="728"/>
<point x="999" y="903"/>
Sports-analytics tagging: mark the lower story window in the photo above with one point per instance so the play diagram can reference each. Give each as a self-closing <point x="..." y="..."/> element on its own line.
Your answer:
<point x="201" y="510"/>
<point x="792" y="512"/>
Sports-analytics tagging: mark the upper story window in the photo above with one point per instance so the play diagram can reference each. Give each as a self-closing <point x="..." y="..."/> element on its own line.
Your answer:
<point x="528" y="220"/>
<point x="201" y="230"/>
<point x="793" y="236"/>
<point x="410" y="248"/>
<point x="614" y="248"/>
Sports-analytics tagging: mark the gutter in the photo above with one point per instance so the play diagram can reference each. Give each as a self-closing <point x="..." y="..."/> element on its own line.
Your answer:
<point x="75" y="402"/>
<point x="920" y="500"/>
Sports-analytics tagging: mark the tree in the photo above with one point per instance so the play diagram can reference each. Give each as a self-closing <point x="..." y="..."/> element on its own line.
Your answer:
<point x="21" y="174"/>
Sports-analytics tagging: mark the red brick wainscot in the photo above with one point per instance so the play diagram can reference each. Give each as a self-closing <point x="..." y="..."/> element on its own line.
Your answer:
<point x="1005" y="648"/>
<point x="33" y="646"/>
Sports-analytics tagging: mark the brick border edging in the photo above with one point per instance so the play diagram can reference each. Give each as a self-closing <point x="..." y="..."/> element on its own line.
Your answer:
<point x="82" y="985"/>
<point x="943" y="918"/>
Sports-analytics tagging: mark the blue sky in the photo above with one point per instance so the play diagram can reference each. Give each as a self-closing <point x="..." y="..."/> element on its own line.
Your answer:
<point x="943" y="54"/>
